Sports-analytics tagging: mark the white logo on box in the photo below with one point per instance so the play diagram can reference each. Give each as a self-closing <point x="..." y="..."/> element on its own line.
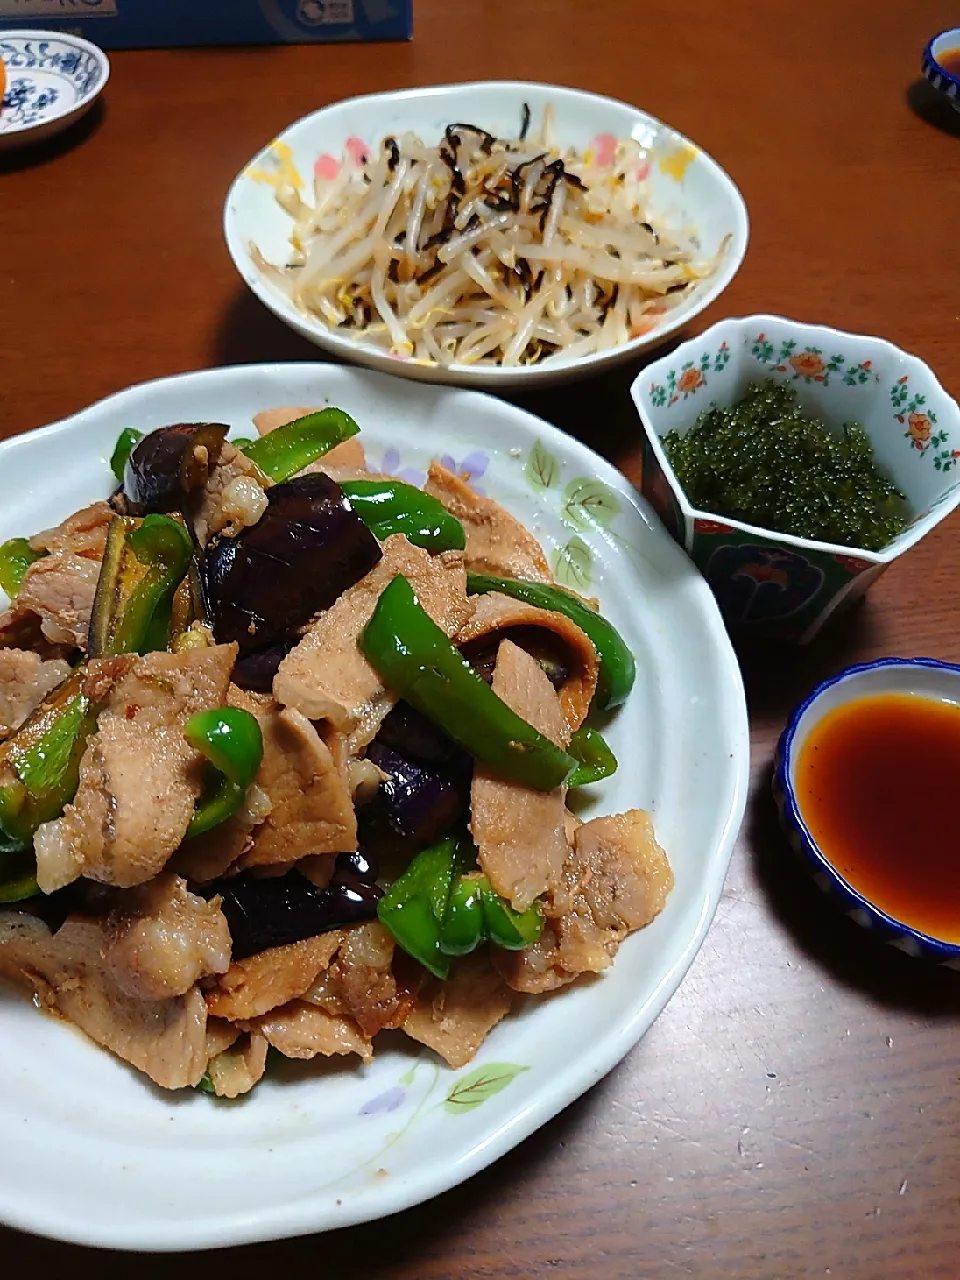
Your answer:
<point x="318" y="13"/>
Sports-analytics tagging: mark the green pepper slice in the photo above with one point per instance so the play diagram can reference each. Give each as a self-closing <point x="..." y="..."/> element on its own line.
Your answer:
<point x="618" y="669"/>
<point x="41" y="762"/>
<point x="413" y="907"/>
<point x="416" y="660"/>
<point x="144" y="562"/>
<point x="594" y="758"/>
<point x="282" y="453"/>
<point x="127" y="441"/>
<point x="18" y="877"/>
<point x="232" y="741"/>
<point x="512" y="930"/>
<point x="390" y="506"/>
<point x="16" y="557"/>
<point x="463" y="927"/>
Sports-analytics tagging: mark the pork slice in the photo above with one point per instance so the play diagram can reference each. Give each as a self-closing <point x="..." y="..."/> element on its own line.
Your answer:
<point x="220" y="1036"/>
<point x="166" y="1039"/>
<point x="326" y="677"/>
<point x="615" y="881"/>
<point x="59" y="590"/>
<point x="236" y="1069"/>
<point x="300" y="1030"/>
<point x="161" y="939"/>
<point x="233" y="498"/>
<point x="25" y="680"/>
<point x="271" y="978"/>
<point x="139" y="777"/>
<point x="22" y="630"/>
<point x="518" y="831"/>
<point x="498" y="615"/>
<point x="347" y="461"/>
<point x="454" y="1017"/>
<point x="496" y="542"/>
<point x="311" y="810"/>
<point x="84" y="532"/>
<point x="361" y="979"/>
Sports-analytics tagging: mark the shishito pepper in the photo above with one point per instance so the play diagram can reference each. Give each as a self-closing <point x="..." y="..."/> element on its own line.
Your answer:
<point x="512" y="930"/>
<point x="232" y="742"/>
<point x="416" y="660"/>
<point x="144" y="563"/>
<point x="618" y="669"/>
<point x="282" y="453"/>
<point x="390" y="506"/>
<point x="442" y="907"/>
<point x="127" y="441"/>
<point x="40" y="765"/>
<point x="594" y="758"/>
<point x="16" y="557"/>
<point x="412" y="909"/>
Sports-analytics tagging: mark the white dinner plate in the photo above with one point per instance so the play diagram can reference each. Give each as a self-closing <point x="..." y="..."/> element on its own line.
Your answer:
<point x="687" y="190"/>
<point x="92" y="1152"/>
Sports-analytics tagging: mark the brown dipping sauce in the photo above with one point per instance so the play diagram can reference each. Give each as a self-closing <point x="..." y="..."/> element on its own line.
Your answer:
<point x="876" y="782"/>
<point x="950" y="61"/>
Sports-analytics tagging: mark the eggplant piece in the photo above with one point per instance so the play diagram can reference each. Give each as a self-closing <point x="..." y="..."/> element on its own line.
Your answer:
<point x="256" y="670"/>
<point x="409" y="732"/>
<point x="306" y="549"/>
<point x="416" y="804"/>
<point x="274" y="911"/>
<point x="170" y="463"/>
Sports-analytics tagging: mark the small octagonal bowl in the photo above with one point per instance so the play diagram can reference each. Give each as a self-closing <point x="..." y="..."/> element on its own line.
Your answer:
<point x="773" y="584"/>
<point x="918" y="677"/>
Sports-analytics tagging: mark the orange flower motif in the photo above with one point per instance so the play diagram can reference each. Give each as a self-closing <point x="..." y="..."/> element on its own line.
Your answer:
<point x="806" y="365"/>
<point x="918" y="424"/>
<point x="689" y="380"/>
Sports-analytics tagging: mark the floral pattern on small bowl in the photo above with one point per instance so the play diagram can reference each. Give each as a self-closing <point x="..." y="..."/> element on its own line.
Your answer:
<point x="25" y="102"/>
<point x="810" y="364"/>
<point x="690" y="378"/>
<point x="775" y="583"/>
<point x="920" y="425"/>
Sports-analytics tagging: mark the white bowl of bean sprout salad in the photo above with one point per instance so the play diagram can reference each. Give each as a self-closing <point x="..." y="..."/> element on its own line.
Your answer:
<point x="496" y="234"/>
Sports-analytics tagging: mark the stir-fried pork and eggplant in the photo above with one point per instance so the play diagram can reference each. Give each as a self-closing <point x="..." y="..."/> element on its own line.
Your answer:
<point x="285" y="752"/>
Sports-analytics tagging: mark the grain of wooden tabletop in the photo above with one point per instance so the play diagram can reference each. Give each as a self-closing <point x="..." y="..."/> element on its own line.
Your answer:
<point x="795" y="1112"/>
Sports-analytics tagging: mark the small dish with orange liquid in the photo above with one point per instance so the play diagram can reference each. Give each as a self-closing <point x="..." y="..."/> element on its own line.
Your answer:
<point x="941" y="65"/>
<point x="865" y="780"/>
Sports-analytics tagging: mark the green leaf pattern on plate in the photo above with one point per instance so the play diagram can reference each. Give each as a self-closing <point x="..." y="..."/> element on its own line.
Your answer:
<point x="573" y="564"/>
<point x="477" y="1086"/>
<point x="542" y="470"/>
<point x="588" y="504"/>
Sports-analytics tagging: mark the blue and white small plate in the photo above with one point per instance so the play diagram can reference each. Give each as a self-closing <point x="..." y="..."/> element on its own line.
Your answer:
<point x="944" y="81"/>
<point x="52" y="80"/>
<point x="923" y="677"/>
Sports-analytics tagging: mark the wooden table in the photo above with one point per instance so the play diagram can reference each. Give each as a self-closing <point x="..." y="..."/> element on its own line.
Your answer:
<point x="795" y="1112"/>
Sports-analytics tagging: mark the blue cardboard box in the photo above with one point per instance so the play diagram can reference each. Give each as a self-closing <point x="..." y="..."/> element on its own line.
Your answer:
<point x="133" y="24"/>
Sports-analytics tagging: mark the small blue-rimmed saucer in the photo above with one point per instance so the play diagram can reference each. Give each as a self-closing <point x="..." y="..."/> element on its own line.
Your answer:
<point x="925" y="677"/>
<point x="945" y="82"/>
<point x="52" y="80"/>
